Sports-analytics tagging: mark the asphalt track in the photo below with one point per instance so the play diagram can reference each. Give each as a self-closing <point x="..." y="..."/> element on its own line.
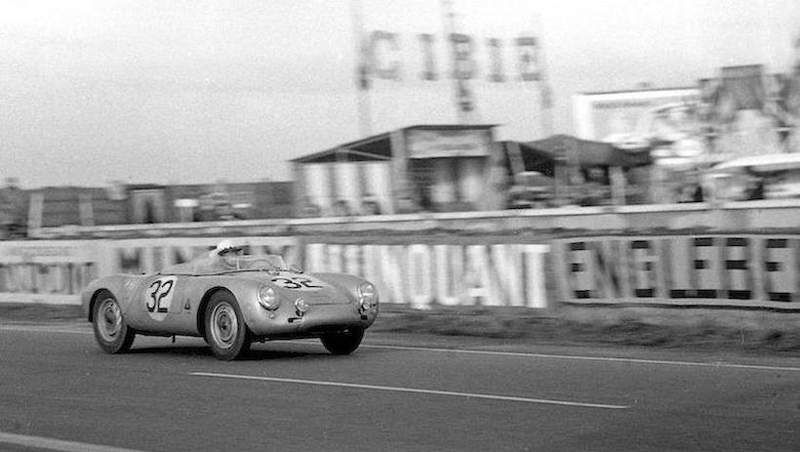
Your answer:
<point x="59" y="392"/>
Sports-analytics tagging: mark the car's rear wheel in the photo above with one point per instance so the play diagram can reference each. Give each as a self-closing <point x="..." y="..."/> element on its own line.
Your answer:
<point x="343" y="343"/>
<point x="225" y="330"/>
<point x="110" y="328"/>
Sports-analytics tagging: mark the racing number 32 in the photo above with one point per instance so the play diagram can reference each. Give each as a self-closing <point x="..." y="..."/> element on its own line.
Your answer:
<point x="159" y="295"/>
<point x="296" y="283"/>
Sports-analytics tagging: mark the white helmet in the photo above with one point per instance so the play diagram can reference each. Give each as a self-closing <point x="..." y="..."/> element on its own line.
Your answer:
<point x="226" y="246"/>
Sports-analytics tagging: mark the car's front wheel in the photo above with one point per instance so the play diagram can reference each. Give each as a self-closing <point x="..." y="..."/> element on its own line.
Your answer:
<point x="110" y="328"/>
<point x="343" y="343"/>
<point x="225" y="330"/>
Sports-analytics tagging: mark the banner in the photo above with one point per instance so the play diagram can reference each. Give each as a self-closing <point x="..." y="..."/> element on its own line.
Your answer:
<point x="424" y="275"/>
<point x="752" y="271"/>
<point x="55" y="272"/>
<point x="717" y="270"/>
<point x="52" y="272"/>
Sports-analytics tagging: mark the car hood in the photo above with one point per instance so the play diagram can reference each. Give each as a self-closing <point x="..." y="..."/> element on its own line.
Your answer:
<point x="299" y="284"/>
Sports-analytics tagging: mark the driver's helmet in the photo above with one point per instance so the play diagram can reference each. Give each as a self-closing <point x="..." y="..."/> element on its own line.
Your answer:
<point x="228" y="253"/>
<point x="226" y="248"/>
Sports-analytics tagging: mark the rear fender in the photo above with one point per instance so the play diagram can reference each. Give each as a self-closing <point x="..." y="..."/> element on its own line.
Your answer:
<point x="114" y="284"/>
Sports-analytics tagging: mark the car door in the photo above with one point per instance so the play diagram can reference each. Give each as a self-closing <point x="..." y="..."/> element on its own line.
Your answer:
<point x="158" y="305"/>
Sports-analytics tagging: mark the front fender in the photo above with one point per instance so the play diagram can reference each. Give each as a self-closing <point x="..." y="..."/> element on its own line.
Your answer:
<point x="342" y="281"/>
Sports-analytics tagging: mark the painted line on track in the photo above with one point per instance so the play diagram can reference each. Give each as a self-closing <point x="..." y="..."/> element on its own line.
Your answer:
<point x="41" y="443"/>
<point x="611" y="359"/>
<point x="410" y="390"/>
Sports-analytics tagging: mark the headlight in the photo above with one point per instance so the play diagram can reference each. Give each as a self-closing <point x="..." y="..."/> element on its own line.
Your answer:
<point x="268" y="298"/>
<point x="301" y="306"/>
<point x="367" y="296"/>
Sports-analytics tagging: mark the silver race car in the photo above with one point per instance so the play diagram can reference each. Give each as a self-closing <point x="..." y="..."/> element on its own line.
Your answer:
<point x="231" y="300"/>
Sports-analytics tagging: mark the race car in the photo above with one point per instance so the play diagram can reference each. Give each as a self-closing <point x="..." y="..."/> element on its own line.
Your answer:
<point x="231" y="300"/>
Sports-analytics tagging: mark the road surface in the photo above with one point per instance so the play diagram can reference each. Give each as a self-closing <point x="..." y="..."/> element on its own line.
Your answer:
<point x="59" y="392"/>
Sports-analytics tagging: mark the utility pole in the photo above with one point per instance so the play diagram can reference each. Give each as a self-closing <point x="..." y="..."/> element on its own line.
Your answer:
<point x="463" y="96"/>
<point x="363" y="70"/>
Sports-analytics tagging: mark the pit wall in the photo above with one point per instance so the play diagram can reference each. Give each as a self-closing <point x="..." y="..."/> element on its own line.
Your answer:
<point x="644" y="256"/>
<point x="419" y="275"/>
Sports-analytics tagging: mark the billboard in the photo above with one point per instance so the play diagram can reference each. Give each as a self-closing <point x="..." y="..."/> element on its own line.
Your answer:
<point x="667" y="123"/>
<point x="639" y="118"/>
<point x="427" y="275"/>
<point x="424" y="143"/>
<point x="743" y="271"/>
<point x="46" y="271"/>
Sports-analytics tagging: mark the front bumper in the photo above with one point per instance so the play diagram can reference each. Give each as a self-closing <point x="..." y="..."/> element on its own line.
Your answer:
<point x="319" y="318"/>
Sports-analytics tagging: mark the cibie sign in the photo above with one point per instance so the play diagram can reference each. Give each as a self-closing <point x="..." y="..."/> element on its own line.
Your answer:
<point x="468" y="57"/>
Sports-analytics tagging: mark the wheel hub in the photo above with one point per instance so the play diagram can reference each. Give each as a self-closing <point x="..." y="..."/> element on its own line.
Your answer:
<point x="112" y="320"/>
<point x="224" y="326"/>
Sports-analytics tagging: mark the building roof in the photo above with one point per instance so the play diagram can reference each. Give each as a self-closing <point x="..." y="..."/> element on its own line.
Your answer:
<point x="542" y="155"/>
<point x="376" y="147"/>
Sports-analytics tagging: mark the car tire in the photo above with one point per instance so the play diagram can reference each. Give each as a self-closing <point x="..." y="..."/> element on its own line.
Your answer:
<point x="225" y="330"/>
<point x="343" y="343"/>
<point x="110" y="328"/>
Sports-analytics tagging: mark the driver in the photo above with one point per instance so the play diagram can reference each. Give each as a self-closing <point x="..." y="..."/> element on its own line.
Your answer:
<point x="222" y="258"/>
<point x="226" y="254"/>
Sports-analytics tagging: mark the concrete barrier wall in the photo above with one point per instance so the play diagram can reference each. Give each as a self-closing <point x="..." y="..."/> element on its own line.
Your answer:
<point x="534" y="259"/>
<point x="415" y="274"/>
<point x="737" y="271"/>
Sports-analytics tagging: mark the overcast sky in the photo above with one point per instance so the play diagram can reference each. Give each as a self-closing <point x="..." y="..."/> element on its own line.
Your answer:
<point x="195" y="91"/>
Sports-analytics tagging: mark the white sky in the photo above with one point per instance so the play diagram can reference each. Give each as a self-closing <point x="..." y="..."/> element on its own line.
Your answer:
<point x="197" y="91"/>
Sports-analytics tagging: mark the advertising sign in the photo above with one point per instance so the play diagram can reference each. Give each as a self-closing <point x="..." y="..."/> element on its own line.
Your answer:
<point x="52" y="272"/>
<point x="423" y="144"/>
<point x="425" y="275"/>
<point x="55" y="272"/>
<point x="743" y="271"/>
<point x="667" y="123"/>
<point x="634" y="118"/>
<point x="748" y="271"/>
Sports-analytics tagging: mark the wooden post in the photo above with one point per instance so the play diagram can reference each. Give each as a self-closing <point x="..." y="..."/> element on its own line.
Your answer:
<point x="617" y="185"/>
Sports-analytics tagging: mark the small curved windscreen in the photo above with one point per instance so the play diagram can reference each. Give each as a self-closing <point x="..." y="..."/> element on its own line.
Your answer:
<point x="266" y="262"/>
<point x="210" y="265"/>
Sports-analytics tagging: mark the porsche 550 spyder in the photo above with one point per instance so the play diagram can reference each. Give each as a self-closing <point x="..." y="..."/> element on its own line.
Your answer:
<point x="231" y="300"/>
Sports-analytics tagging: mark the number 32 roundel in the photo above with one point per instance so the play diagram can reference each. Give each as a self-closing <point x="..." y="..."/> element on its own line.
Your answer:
<point x="158" y="297"/>
<point x="298" y="283"/>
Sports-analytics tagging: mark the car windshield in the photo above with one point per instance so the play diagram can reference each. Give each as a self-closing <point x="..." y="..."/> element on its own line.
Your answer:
<point x="266" y="262"/>
<point x="205" y="265"/>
